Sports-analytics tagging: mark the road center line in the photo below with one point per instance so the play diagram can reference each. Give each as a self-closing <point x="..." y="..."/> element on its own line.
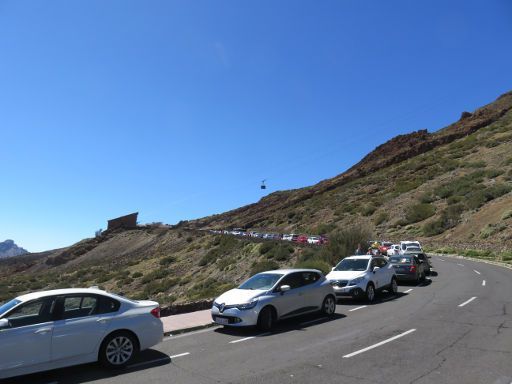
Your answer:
<point x="313" y="321"/>
<point x="441" y="259"/>
<point x="478" y="273"/>
<point x="483" y="283"/>
<point x="248" y="338"/>
<point x="409" y="290"/>
<point x="355" y="309"/>
<point x="460" y="264"/>
<point x="379" y="344"/>
<point x="180" y="355"/>
<point x="467" y="302"/>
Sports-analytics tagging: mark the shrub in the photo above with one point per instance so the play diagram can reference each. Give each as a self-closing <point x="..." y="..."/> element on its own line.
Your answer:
<point x="137" y="274"/>
<point x="419" y="212"/>
<point x="167" y="260"/>
<point x="449" y="218"/>
<point x="154" y="287"/>
<point x="154" y="275"/>
<point x="208" y="288"/>
<point x="189" y="239"/>
<point x="506" y="215"/>
<point x="343" y="242"/>
<point x="324" y="228"/>
<point x="368" y="209"/>
<point x="426" y="198"/>
<point x="381" y="217"/>
<point x="319" y="264"/>
<point x="263" y="266"/>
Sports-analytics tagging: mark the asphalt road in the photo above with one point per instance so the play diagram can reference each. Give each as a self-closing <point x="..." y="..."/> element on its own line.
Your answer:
<point x="454" y="328"/>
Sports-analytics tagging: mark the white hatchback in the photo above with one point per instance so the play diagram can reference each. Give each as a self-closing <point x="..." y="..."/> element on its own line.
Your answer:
<point x="54" y="329"/>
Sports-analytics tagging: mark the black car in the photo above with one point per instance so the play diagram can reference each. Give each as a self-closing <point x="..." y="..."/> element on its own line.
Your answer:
<point x="408" y="268"/>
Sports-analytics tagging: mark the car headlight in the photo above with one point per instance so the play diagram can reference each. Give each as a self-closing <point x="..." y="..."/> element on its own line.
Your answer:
<point x="248" y="305"/>
<point x="356" y="281"/>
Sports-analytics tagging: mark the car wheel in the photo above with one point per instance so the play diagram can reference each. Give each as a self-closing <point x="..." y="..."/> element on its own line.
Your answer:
<point x="393" y="287"/>
<point x="370" y="292"/>
<point x="266" y="319"/>
<point x="329" y="306"/>
<point x="118" y="349"/>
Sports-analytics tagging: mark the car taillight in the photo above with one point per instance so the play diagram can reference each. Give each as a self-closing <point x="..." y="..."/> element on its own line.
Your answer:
<point x="156" y="312"/>
<point x="412" y="268"/>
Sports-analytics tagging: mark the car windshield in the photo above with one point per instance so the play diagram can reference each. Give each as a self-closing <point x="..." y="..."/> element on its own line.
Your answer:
<point x="352" y="265"/>
<point x="261" y="281"/>
<point x="400" y="260"/>
<point x="10" y="304"/>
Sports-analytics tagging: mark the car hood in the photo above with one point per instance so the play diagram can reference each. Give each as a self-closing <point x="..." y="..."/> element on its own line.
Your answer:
<point x="344" y="275"/>
<point x="239" y="296"/>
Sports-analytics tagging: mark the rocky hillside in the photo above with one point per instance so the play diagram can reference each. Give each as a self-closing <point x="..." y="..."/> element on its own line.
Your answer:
<point x="450" y="188"/>
<point x="9" y="249"/>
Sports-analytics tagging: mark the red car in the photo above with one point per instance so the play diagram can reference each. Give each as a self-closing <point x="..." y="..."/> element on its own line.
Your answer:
<point x="383" y="248"/>
<point x="302" y="239"/>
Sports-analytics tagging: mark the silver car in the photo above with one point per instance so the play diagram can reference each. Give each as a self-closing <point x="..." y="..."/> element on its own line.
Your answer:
<point x="268" y="297"/>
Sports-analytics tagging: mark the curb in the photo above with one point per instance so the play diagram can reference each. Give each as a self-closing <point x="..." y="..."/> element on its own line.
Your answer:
<point x="191" y="329"/>
<point x="497" y="263"/>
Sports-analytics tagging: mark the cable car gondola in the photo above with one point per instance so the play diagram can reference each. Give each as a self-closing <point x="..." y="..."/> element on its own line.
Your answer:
<point x="263" y="186"/>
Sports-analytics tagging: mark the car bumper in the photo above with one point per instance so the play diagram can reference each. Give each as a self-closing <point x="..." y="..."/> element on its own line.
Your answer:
<point x="406" y="276"/>
<point x="235" y="318"/>
<point x="351" y="291"/>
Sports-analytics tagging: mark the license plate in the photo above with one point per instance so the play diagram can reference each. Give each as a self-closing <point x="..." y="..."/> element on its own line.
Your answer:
<point x="222" y="320"/>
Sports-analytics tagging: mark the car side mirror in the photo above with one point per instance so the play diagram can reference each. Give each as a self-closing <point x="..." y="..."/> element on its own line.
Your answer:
<point x="4" y="323"/>
<point x="284" y="288"/>
<point x="375" y="269"/>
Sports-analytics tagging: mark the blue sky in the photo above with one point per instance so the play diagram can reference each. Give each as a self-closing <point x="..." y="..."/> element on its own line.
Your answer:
<point x="178" y="109"/>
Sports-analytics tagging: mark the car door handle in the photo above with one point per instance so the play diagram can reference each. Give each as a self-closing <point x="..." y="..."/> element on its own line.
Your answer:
<point x="42" y="331"/>
<point x="102" y="321"/>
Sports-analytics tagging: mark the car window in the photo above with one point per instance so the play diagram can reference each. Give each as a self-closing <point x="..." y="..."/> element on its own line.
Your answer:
<point x="400" y="260"/>
<point x="294" y="280"/>
<point x="261" y="281"/>
<point x="108" y="305"/>
<point x="309" y="277"/>
<point x="34" y="312"/>
<point x="7" y="306"/>
<point x="381" y="263"/>
<point x="373" y="264"/>
<point x="79" y="306"/>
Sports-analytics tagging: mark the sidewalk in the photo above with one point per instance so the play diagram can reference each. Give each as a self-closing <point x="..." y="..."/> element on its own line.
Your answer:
<point x="186" y="322"/>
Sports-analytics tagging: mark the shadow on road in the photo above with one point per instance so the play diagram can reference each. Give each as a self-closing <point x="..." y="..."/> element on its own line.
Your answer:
<point x="91" y="372"/>
<point x="298" y="323"/>
<point x="424" y="283"/>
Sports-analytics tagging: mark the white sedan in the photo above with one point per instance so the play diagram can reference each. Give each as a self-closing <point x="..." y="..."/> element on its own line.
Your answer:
<point x="54" y="329"/>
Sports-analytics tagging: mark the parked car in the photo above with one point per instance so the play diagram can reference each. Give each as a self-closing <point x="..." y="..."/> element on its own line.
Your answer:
<point x="384" y="247"/>
<point x="268" y="297"/>
<point x="360" y="277"/>
<point x="411" y="250"/>
<point x="408" y="268"/>
<point x="394" y="250"/>
<point x="302" y="239"/>
<point x="314" y="240"/>
<point x="54" y="329"/>
<point x="290" y="237"/>
<point x="405" y="244"/>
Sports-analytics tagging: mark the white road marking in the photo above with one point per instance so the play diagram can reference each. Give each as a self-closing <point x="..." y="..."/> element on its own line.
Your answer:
<point x="379" y="344"/>
<point x="313" y="321"/>
<point x="483" y="283"/>
<point x="409" y="290"/>
<point x="355" y="309"/>
<point x="441" y="259"/>
<point x="467" y="302"/>
<point x="143" y="363"/>
<point x="248" y="338"/>
<point x="180" y="355"/>
<point x="460" y="264"/>
<point x="478" y="273"/>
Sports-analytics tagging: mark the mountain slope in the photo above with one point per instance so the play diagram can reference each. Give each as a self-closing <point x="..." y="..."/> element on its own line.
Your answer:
<point x="448" y="188"/>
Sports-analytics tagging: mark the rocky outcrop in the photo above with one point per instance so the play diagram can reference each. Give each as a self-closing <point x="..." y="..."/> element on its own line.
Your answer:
<point x="9" y="249"/>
